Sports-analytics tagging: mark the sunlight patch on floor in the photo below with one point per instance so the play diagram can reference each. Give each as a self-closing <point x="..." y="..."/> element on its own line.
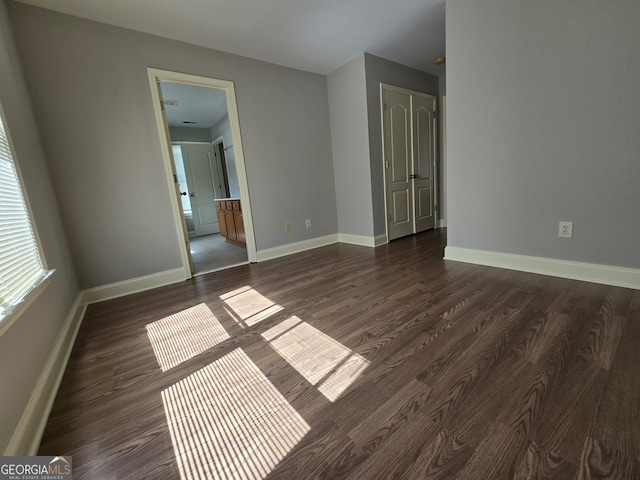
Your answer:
<point x="179" y="337"/>
<point x="344" y="375"/>
<point x="320" y="359"/>
<point x="227" y="421"/>
<point x="248" y="307"/>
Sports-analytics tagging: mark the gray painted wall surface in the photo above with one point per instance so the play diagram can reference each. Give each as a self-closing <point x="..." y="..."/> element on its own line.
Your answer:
<point x="543" y="122"/>
<point x="27" y="345"/>
<point x="223" y="128"/>
<point x="89" y="86"/>
<point x="350" y="142"/>
<point x="379" y="70"/>
<point x="356" y="133"/>
<point x="442" y="82"/>
<point x="186" y="134"/>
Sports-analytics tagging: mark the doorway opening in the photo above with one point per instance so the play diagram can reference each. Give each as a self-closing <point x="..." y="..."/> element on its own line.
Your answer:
<point x="204" y="185"/>
<point x="202" y="149"/>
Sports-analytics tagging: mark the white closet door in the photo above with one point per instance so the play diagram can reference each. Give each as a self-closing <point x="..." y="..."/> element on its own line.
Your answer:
<point x="409" y="154"/>
<point x="423" y="162"/>
<point x="397" y="143"/>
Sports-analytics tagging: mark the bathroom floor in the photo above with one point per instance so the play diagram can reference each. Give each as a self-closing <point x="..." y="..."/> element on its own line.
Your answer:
<point x="213" y="252"/>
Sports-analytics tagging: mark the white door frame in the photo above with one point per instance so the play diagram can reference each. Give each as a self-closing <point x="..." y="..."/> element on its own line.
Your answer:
<point x="443" y="219"/>
<point x="386" y="86"/>
<point x="156" y="75"/>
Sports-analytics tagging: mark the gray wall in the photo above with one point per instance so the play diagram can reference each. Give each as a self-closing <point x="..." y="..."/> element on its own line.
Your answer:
<point x="543" y="122"/>
<point x="379" y="70"/>
<point x="356" y="133"/>
<point x="187" y="134"/>
<point x="91" y="95"/>
<point x="442" y="81"/>
<point x="26" y="346"/>
<point x="223" y="128"/>
<point x="350" y="142"/>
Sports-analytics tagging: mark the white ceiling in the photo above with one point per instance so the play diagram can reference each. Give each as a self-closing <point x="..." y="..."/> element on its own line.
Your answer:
<point x="204" y="106"/>
<point x="312" y="35"/>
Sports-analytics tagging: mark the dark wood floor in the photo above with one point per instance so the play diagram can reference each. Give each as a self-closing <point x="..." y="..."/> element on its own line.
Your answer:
<point x="350" y="362"/>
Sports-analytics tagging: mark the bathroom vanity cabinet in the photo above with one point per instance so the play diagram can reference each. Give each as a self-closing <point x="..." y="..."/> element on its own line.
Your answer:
<point x="229" y="212"/>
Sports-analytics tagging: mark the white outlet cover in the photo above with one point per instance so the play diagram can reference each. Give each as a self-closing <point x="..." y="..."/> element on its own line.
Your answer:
<point x="565" y="230"/>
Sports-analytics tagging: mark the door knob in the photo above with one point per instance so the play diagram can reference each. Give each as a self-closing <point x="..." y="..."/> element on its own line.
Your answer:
<point x="183" y="193"/>
<point x="417" y="175"/>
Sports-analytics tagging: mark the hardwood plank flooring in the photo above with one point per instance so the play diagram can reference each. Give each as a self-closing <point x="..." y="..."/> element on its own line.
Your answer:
<point x="351" y="362"/>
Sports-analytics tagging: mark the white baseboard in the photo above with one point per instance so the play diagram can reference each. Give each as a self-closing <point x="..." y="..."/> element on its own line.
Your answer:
<point x="380" y="240"/>
<point x="588" y="272"/>
<point x="135" y="285"/>
<point x="28" y="434"/>
<point x="442" y="223"/>
<point x="290" y="248"/>
<point x="362" y="240"/>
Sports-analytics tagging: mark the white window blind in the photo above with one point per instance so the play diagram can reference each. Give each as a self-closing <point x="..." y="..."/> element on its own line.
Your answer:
<point x="21" y="268"/>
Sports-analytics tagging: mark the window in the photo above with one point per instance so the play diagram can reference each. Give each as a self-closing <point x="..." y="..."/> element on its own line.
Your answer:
<point x="21" y="267"/>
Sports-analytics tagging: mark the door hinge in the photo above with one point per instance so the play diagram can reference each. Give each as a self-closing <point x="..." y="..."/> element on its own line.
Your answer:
<point x="386" y="164"/>
<point x="175" y="178"/>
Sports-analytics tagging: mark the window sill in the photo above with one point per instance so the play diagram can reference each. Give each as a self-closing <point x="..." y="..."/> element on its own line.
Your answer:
<point x="11" y="314"/>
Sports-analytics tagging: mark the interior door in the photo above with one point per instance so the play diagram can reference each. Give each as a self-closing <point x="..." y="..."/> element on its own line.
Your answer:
<point x="204" y="186"/>
<point x="398" y="163"/>
<point x="408" y="123"/>
<point x="423" y="162"/>
<point x="176" y="185"/>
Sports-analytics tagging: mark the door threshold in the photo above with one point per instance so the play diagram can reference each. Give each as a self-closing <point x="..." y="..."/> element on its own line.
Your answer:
<point x="226" y="267"/>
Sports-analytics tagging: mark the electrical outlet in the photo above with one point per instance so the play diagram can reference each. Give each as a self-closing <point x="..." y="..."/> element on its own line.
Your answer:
<point x="308" y="223"/>
<point x="565" y="230"/>
<point x="287" y="227"/>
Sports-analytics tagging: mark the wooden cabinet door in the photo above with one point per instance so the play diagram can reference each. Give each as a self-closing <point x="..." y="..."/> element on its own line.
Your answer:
<point x="231" y="222"/>
<point x="237" y="217"/>
<point x="231" y="227"/>
<point x="222" y="222"/>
